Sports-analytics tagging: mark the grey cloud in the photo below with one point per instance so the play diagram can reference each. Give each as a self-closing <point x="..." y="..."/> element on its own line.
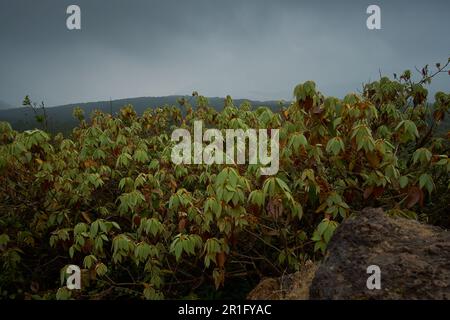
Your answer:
<point x="251" y="48"/>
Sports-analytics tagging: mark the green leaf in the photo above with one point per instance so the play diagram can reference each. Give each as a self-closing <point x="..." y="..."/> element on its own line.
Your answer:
<point x="423" y="155"/>
<point x="153" y="226"/>
<point x="426" y="181"/>
<point x="335" y="146"/>
<point x="94" y="228"/>
<point x="4" y="239"/>
<point x="256" y="197"/>
<point x="115" y="225"/>
<point x="101" y="269"/>
<point x="71" y="252"/>
<point x="63" y="294"/>
<point x="140" y="156"/>
<point x="403" y="181"/>
<point x="79" y="228"/>
<point x="89" y="261"/>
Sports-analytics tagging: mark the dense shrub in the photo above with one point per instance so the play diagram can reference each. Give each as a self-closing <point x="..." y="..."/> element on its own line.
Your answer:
<point x="109" y="198"/>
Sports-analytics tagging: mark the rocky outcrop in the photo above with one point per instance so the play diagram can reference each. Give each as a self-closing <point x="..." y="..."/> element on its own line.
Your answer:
<point x="413" y="258"/>
<point x="413" y="261"/>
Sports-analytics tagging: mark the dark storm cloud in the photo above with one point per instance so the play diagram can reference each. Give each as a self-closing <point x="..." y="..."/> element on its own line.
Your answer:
<point x="251" y="48"/>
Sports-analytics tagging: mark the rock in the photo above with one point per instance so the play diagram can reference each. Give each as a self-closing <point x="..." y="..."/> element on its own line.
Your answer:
<point x="288" y="287"/>
<point x="414" y="260"/>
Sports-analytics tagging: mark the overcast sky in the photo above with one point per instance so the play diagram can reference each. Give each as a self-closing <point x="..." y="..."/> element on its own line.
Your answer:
<point x="249" y="49"/>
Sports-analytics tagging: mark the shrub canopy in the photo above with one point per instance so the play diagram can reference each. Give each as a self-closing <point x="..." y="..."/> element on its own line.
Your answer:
<point x="110" y="200"/>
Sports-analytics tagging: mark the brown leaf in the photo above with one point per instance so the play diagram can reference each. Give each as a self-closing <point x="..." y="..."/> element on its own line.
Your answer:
<point x="435" y="158"/>
<point x="87" y="248"/>
<point x="92" y="274"/>
<point x="415" y="195"/>
<point x="173" y="185"/>
<point x="349" y="196"/>
<point x="368" y="192"/>
<point x="377" y="191"/>
<point x="86" y="217"/>
<point x="308" y="103"/>
<point x="221" y="258"/>
<point x="181" y="225"/>
<point x="275" y="208"/>
<point x="89" y="163"/>
<point x="137" y="220"/>
<point x="373" y="158"/>
<point x="438" y="115"/>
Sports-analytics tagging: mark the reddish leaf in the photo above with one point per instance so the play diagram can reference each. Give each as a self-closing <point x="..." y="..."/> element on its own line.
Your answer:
<point x="137" y="220"/>
<point x="373" y="158"/>
<point x="368" y="192"/>
<point x="377" y="191"/>
<point x="181" y="225"/>
<point x="349" y="196"/>
<point x="221" y="259"/>
<point x="308" y="103"/>
<point x="415" y="195"/>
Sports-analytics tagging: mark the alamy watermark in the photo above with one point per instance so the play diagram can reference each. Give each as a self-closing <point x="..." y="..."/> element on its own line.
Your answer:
<point x="73" y="21"/>
<point x="188" y="151"/>
<point x="373" y="22"/>
<point x="73" y="281"/>
<point x="374" y="280"/>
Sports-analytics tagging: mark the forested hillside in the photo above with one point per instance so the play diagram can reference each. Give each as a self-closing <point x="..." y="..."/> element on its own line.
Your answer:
<point x="60" y="119"/>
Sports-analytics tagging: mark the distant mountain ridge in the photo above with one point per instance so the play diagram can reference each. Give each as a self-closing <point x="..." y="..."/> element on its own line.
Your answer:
<point x="60" y="118"/>
<point x="4" y="105"/>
